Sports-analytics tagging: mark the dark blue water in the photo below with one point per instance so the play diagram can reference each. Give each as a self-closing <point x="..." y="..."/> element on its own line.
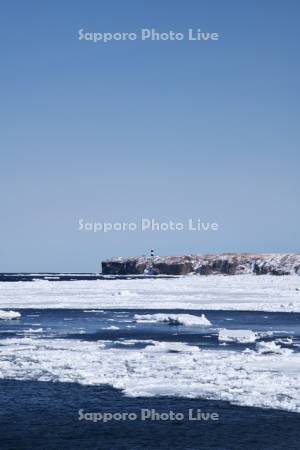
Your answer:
<point x="44" y="415"/>
<point x="92" y="325"/>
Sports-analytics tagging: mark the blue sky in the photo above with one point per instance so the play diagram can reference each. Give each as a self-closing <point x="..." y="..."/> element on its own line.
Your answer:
<point x="170" y="130"/>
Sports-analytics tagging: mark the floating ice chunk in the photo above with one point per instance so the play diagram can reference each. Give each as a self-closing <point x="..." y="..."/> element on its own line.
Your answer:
<point x="111" y="327"/>
<point x="34" y="330"/>
<point x="128" y="342"/>
<point x="174" y="319"/>
<point x="9" y="315"/>
<point x="286" y="341"/>
<point x="262" y="334"/>
<point x="171" y="347"/>
<point x="270" y="347"/>
<point x="242" y="336"/>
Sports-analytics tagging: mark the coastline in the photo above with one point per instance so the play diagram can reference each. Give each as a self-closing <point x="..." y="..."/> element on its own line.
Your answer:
<point x="225" y="263"/>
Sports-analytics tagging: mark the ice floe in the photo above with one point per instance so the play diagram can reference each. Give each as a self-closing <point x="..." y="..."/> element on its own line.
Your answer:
<point x="242" y="292"/>
<point x="255" y="378"/>
<point x="172" y="347"/>
<point x="271" y="347"/>
<point x="173" y="319"/>
<point x="34" y="330"/>
<point x="9" y="315"/>
<point x="286" y="341"/>
<point x="242" y="336"/>
<point x="111" y="327"/>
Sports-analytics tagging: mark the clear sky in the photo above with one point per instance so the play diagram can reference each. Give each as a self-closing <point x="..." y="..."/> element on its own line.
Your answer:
<point x="170" y="130"/>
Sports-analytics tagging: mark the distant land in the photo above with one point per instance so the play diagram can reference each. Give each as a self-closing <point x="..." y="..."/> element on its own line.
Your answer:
<point x="226" y="263"/>
<point x="137" y="267"/>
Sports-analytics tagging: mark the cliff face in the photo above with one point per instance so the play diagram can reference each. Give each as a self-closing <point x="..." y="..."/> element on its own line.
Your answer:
<point x="227" y="263"/>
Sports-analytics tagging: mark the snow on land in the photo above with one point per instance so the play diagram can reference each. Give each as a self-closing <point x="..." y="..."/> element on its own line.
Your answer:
<point x="173" y="319"/>
<point x="9" y="315"/>
<point x="252" y="378"/>
<point x="238" y="292"/>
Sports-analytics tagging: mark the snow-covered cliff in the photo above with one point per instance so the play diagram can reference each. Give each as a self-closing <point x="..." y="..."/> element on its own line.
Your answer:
<point x="227" y="263"/>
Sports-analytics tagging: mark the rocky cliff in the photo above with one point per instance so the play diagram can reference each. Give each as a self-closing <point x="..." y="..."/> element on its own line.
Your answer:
<point x="227" y="263"/>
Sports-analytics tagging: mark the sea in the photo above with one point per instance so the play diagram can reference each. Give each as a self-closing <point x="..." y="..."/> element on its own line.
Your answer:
<point x="63" y="370"/>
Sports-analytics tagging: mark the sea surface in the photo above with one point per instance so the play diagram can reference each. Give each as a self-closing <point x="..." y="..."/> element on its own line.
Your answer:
<point x="41" y="395"/>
